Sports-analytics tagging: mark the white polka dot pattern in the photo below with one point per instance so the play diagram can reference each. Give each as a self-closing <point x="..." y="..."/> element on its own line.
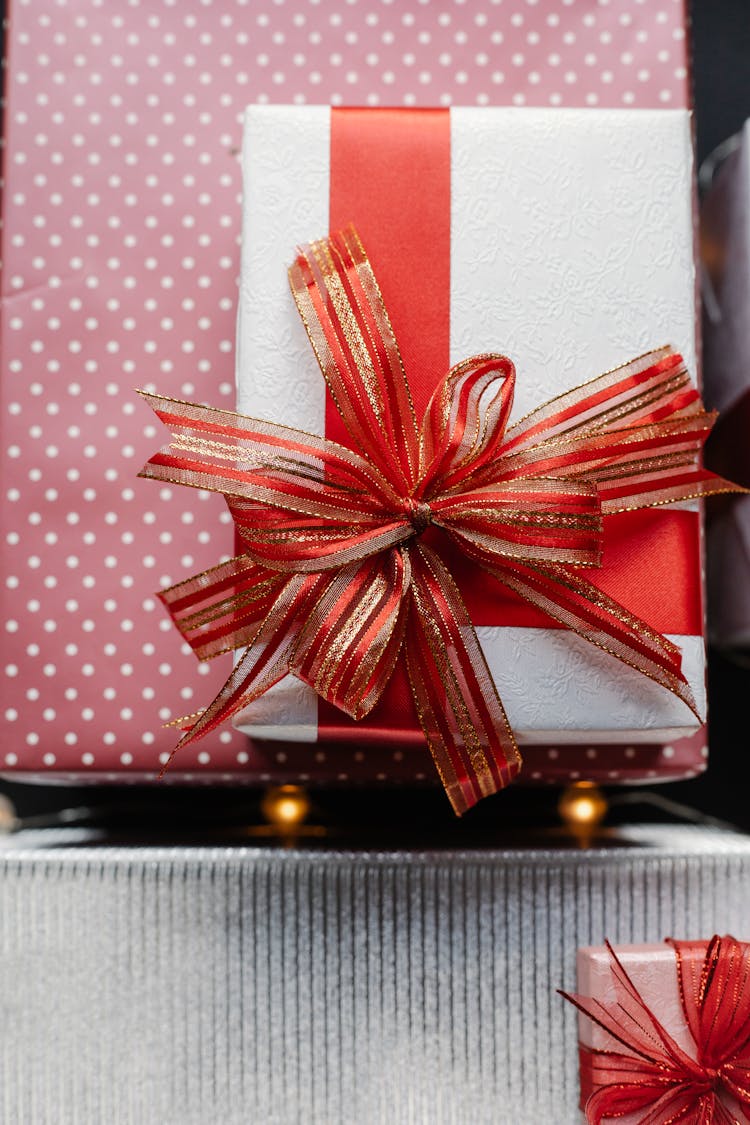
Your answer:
<point x="120" y="253"/>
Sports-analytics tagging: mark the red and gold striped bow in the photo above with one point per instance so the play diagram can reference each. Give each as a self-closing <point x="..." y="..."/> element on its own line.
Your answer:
<point x="343" y="572"/>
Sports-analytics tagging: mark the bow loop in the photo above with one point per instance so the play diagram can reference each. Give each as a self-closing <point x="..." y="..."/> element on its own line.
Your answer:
<point x="545" y="519"/>
<point x="636" y="432"/>
<point x="465" y="421"/>
<point x="285" y="540"/>
<point x="341" y="306"/>
<point x="352" y="636"/>
<point x="221" y="609"/>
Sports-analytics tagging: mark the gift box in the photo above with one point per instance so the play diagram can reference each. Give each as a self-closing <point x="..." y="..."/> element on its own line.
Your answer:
<point x="664" y="1028"/>
<point x="488" y="231"/>
<point x="725" y="246"/>
<point x="241" y="984"/>
<point x="120" y="224"/>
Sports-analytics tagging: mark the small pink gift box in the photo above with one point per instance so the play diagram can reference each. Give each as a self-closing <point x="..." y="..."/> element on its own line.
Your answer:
<point x="656" y="1002"/>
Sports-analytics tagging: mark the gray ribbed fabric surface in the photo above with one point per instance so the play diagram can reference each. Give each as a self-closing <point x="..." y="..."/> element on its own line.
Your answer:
<point x="205" y="986"/>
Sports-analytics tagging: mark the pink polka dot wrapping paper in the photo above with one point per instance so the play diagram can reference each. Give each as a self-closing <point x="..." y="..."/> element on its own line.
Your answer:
<point x="121" y="212"/>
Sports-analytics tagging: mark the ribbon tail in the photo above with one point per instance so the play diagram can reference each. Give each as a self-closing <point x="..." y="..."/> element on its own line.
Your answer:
<point x="222" y="608"/>
<point x="632" y="1024"/>
<point x="717" y="1114"/>
<point x="636" y="432"/>
<point x="459" y="709"/>
<point x="677" y="1107"/>
<point x="352" y="636"/>
<point x="300" y="502"/>
<point x="265" y="661"/>
<point x="586" y="610"/>
<point x="648" y="389"/>
<point x="663" y="487"/>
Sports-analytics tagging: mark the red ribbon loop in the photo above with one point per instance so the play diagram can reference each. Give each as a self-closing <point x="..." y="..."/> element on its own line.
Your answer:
<point x="338" y="585"/>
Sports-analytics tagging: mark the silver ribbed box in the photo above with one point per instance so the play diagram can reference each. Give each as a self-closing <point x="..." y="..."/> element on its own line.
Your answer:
<point x="214" y="986"/>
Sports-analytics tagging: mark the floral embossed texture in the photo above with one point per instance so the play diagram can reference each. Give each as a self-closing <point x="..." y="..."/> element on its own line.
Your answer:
<point x="277" y="375"/>
<point x="563" y="258"/>
<point x="555" y="672"/>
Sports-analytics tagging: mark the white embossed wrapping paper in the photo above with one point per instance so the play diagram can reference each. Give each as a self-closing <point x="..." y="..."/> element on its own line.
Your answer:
<point x="233" y="985"/>
<point x="571" y="250"/>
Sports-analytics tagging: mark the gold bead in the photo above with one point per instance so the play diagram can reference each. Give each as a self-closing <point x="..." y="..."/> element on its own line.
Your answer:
<point x="8" y="819"/>
<point x="582" y="807"/>
<point x="285" y="807"/>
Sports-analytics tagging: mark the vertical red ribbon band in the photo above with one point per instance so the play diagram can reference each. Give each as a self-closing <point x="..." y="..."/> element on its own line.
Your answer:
<point x="391" y="174"/>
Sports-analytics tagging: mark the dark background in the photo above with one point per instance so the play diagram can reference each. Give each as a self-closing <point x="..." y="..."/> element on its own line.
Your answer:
<point x="721" y="85"/>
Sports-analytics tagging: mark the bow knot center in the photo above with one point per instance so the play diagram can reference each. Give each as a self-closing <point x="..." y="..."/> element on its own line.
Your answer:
<point x="418" y="513"/>
<point x="713" y="1078"/>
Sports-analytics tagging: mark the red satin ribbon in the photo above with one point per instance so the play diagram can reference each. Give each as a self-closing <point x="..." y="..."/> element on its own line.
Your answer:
<point x="645" y="1071"/>
<point x="391" y="173"/>
<point x="344" y="576"/>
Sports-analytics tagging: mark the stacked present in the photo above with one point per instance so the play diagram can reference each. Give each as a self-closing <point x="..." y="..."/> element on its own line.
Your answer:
<point x="152" y="196"/>
<point x="373" y="556"/>
<point x="303" y="986"/>
<point x="463" y="472"/>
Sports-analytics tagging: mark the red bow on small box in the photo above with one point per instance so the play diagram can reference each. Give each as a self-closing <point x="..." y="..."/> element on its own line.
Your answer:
<point x="646" y="1071"/>
<point x="342" y="575"/>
